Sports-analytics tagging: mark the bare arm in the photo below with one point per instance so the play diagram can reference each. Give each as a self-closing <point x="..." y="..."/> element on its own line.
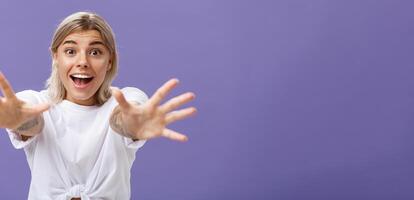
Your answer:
<point x="30" y="128"/>
<point x="117" y="124"/>
<point x="150" y="119"/>
<point x="17" y="115"/>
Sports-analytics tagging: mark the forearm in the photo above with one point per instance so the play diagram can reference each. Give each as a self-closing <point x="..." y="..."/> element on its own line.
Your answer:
<point x="30" y="128"/>
<point x="116" y="123"/>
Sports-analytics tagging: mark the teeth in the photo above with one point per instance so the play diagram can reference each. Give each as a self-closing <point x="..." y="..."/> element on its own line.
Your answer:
<point x="81" y="76"/>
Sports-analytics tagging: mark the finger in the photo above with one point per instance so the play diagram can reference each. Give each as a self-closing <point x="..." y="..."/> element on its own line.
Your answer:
<point x="170" y="134"/>
<point x="120" y="98"/>
<point x="163" y="91"/>
<point x="5" y="87"/>
<point x="37" y="109"/>
<point x="176" y="102"/>
<point x="180" y="115"/>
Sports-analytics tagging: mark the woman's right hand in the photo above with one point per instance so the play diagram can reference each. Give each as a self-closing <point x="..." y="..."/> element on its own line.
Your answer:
<point x="13" y="111"/>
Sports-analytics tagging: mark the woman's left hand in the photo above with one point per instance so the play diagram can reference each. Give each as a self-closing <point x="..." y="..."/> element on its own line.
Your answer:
<point x="150" y="119"/>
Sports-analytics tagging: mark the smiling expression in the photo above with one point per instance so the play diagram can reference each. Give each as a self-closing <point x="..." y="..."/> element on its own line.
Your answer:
<point x="83" y="61"/>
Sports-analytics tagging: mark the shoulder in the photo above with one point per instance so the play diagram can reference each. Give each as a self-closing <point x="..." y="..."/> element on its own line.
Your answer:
<point x="133" y="90"/>
<point x="27" y="93"/>
<point x="134" y="94"/>
<point x="32" y="96"/>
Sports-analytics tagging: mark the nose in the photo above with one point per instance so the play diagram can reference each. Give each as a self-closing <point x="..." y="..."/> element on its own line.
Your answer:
<point x="82" y="60"/>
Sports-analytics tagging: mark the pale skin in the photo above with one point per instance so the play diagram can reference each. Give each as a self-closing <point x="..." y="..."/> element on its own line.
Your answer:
<point x="150" y="120"/>
<point x="84" y="52"/>
<point x="17" y="115"/>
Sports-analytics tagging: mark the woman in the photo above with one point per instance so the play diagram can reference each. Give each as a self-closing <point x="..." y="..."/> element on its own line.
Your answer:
<point x="80" y="135"/>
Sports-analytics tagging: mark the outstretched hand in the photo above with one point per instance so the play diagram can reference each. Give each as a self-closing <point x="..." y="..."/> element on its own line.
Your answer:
<point x="13" y="111"/>
<point x="150" y="119"/>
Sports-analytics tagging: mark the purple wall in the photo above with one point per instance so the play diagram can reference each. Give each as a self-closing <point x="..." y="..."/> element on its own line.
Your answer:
<point x="297" y="99"/>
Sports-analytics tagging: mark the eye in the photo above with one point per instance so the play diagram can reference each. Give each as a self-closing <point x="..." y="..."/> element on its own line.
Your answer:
<point x="95" y="52"/>
<point x="69" y="51"/>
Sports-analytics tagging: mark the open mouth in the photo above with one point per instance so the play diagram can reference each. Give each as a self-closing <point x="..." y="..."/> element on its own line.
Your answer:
<point x="81" y="80"/>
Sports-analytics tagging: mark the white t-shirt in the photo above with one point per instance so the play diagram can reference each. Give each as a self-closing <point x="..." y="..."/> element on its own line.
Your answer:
<point x="77" y="154"/>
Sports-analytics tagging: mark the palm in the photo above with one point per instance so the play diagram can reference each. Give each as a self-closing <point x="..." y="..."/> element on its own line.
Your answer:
<point x="145" y="121"/>
<point x="149" y="120"/>
<point x="10" y="112"/>
<point x="14" y="112"/>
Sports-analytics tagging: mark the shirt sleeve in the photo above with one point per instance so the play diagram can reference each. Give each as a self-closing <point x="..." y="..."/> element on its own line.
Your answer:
<point x="138" y="96"/>
<point x="31" y="97"/>
<point x="17" y="141"/>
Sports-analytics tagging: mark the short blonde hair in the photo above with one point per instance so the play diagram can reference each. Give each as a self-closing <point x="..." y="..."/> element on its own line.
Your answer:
<point x="83" y="21"/>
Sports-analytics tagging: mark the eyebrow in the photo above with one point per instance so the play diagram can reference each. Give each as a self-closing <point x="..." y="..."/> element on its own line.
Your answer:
<point x="92" y="43"/>
<point x="97" y="43"/>
<point x="69" y="42"/>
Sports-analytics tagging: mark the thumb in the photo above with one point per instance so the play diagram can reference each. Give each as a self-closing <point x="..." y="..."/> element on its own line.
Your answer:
<point x="38" y="109"/>
<point x="120" y="98"/>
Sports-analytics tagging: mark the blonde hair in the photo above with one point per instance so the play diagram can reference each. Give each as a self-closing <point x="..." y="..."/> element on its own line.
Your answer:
<point x="83" y="21"/>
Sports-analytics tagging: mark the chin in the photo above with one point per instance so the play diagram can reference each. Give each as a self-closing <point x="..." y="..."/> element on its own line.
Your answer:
<point x="80" y="97"/>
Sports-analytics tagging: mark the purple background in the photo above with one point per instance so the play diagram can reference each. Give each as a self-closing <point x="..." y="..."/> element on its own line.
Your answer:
<point x="297" y="99"/>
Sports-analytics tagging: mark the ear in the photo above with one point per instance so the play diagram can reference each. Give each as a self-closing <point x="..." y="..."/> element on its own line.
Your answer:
<point x="109" y="66"/>
<point x="54" y="56"/>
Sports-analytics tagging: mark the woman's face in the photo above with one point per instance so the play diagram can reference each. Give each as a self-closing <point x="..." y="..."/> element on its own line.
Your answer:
<point x="83" y="61"/>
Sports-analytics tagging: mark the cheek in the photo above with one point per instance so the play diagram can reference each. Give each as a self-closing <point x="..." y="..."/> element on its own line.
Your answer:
<point x="101" y="67"/>
<point x="101" y="75"/>
<point x="61" y="71"/>
<point x="63" y="66"/>
<point x="101" y="63"/>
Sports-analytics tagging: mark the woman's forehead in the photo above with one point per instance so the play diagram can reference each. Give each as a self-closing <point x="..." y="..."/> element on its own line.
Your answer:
<point x="88" y="35"/>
